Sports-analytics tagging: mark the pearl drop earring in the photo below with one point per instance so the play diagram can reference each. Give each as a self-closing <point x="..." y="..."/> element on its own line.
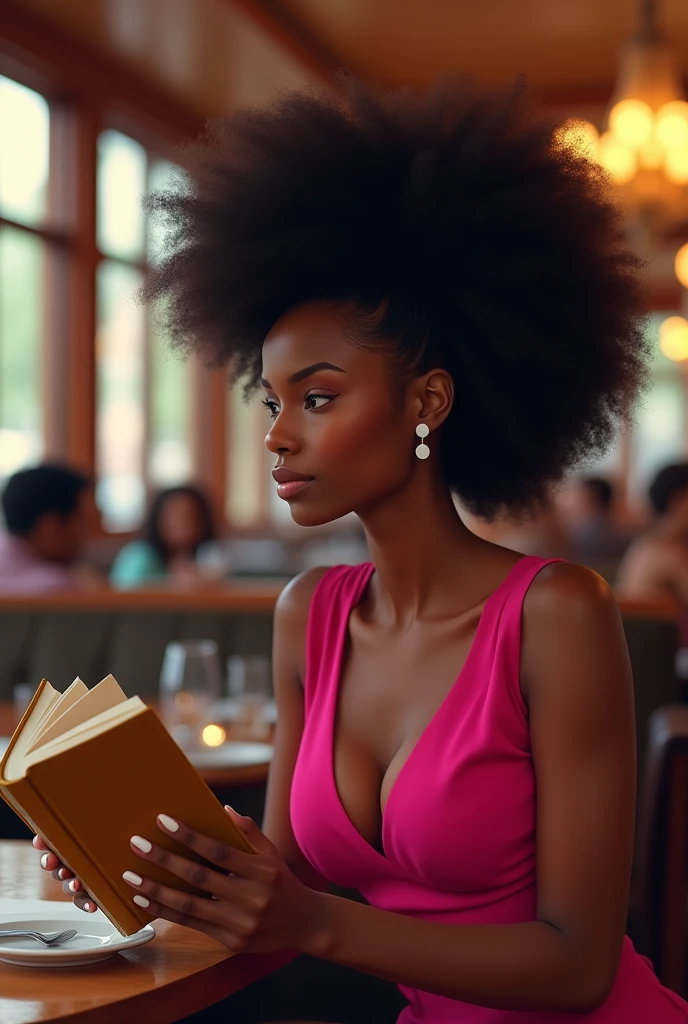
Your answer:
<point x="422" y="451"/>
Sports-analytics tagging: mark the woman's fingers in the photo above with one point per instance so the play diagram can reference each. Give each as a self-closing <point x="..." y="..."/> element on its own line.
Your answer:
<point x="223" y="856"/>
<point x="198" y="875"/>
<point x="50" y="861"/>
<point x="80" y="897"/>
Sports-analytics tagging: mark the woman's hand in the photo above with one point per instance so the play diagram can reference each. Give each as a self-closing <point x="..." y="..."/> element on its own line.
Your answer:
<point x="70" y="884"/>
<point x="256" y="904"/>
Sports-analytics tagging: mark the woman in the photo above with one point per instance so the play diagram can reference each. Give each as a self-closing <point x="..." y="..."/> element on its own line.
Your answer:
<point x="179" y="521"/>
<point x="432" y="295"/>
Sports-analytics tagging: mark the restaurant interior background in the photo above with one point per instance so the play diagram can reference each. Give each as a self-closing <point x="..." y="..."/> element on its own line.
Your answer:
<point x="96" y="100"/>
<point x="96" y="97"/>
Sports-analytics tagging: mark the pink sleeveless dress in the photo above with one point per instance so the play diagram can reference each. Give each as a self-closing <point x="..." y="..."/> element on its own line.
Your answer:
<point x="459" y="824"/>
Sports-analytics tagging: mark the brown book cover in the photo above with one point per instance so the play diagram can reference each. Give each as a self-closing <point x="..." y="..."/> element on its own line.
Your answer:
<point x="88" y="789"/>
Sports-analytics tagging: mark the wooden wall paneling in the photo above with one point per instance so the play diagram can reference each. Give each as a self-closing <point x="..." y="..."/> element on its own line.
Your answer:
<point x="80" y="401"/>
<point x="290" y="33"/>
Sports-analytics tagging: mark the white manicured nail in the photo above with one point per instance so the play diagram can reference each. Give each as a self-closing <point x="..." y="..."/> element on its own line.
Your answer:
<point x="141" y="901"/>
<point x="131" y="876"/>
<point x="44" y="860"/>
<point x="87" y="907"/>
<point x="72" y="886"/>
<point x="141" y="844"/>
<point x="169" y="823"/>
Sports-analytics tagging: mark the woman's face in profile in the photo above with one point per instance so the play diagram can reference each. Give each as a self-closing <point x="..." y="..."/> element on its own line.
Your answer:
<point x="181" y="523"/>
<point x="342" y="442"/>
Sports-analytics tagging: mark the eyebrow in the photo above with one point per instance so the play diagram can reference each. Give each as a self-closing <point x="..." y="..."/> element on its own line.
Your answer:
<point x="307" y="371"/>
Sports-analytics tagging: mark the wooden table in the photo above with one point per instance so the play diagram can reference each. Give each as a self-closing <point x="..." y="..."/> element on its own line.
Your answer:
<point x="179" y="973"/>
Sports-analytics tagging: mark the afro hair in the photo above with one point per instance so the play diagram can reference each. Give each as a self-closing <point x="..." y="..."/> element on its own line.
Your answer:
<point x="461" y="231"/>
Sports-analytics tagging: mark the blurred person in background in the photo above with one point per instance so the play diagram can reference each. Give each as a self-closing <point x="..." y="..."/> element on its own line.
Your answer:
<point x="49" y="516"/>
<point x="179" y="521"/>
<point x="655" y="567"/>
<point x="588" y="506"/>
<point x="539" y="532"/>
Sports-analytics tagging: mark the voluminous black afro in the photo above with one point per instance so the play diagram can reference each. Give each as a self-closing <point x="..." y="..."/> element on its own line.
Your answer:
<point x="463" y="233"/>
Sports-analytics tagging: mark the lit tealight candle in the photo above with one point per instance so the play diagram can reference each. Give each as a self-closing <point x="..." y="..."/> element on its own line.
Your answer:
<point x="213" y="735"/>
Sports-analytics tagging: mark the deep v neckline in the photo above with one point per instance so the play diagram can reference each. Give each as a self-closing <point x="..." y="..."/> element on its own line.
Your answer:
<point x="357" y="593"/>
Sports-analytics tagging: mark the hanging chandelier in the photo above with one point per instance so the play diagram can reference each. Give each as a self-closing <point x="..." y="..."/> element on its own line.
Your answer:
<point x="644" y="147"/>
<point x="644" y="138"/>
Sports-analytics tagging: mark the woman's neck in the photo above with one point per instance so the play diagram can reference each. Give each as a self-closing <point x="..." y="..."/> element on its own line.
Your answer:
<point x="423" y="553"/>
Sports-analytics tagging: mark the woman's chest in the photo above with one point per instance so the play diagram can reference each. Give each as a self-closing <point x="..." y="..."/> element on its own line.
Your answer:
<point x="390" y="691"/>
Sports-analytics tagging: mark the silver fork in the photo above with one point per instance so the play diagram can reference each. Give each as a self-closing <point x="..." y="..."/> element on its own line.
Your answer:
<point x="47" y="938"/>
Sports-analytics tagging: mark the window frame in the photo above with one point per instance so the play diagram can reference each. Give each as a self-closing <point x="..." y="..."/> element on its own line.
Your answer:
<point x="88" y="93"/>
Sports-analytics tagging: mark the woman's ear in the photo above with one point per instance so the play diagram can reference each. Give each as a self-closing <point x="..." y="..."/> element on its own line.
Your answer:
<point x="435" y="397"/>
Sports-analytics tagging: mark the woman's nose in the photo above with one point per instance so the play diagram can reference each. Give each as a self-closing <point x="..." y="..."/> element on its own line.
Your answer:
<point x="280" y="440"/>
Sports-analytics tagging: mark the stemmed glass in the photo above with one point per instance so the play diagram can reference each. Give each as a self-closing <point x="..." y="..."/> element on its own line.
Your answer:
<point x="249" y="683"/>
<point x="190" y="684"/>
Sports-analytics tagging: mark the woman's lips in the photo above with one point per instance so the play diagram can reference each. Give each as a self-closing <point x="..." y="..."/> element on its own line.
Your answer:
<point x="289" y="482"/>
<point x="292" y="487"/>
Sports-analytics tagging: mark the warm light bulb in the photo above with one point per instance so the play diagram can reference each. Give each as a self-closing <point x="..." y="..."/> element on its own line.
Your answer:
<point x="213" y="735"/>
<point x="673" y="338"/>
<point x="672" y="124"/>
<point x="681" y="265"/>
<point x="616" y="158"/>
<point x="631" y="121"/>
<point x="580" y="136"/>
<point x="676" y="166"/>
<point x="651" y="155"/>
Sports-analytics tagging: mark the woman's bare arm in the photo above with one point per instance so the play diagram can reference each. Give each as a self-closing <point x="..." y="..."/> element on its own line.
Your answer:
<point x="289" y="666"/>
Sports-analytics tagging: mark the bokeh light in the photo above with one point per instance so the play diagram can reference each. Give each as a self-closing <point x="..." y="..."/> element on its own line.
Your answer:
<point x="213" y="735"/>
<point x="619" y="160"/>
<point x="672" y="125"/>
<point x="673" y="338"/>
<point x="631" y="122"/>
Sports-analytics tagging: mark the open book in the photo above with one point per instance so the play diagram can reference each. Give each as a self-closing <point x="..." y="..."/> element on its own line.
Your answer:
<point x="88" y="769"/>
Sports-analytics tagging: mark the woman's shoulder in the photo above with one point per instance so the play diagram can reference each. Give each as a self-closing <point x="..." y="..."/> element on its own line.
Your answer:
<point x="562" y="587"/>
<point x="294" y="601"/>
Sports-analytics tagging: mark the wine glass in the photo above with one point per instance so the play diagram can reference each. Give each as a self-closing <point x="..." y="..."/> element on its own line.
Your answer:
<point x="249" y="683"/>
<point x="190" y="684"/>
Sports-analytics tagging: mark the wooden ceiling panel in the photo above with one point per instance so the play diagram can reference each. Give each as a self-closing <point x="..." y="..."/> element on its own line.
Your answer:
<point x="213" y="54"/>
<point x="561" y="45"/>
<point x="206" y="52"/>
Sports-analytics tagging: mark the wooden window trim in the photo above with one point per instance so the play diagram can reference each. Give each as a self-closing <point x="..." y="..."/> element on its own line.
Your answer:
<point x="88" y="92"/>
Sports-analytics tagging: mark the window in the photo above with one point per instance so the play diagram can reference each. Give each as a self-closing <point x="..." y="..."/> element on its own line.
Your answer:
<point x="25" y="255"/>
<point x="658" y="435"/>
<point x="143" y="389"/>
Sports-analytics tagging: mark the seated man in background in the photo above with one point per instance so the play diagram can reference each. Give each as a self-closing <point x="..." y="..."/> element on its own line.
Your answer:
<point x="48" y="511"/>
<point x="655" y="567"/>
<point x="588" y="507"/>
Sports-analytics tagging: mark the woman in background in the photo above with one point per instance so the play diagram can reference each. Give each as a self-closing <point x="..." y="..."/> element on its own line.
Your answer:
<point x="179" y="521"/>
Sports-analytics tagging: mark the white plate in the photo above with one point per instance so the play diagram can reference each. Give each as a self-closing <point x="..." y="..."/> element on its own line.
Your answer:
<point x="232" y="755"/>
<point x="95" y="941"/>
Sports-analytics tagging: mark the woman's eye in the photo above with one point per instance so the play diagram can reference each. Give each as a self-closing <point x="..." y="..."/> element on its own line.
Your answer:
<point x="272" y="407"/>
<point x="318" y="401"/>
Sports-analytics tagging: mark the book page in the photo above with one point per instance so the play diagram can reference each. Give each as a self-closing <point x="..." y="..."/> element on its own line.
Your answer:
<point x="106" y="694"/>
<point x="47" y="698"/>
<point x="74" y="692"/>
<point x="107" y="719"/>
